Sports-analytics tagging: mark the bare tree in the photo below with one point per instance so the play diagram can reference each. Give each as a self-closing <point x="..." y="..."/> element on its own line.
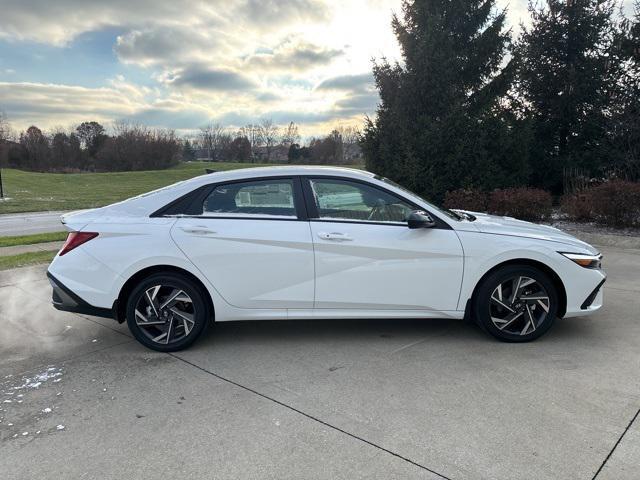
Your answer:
<point x="290" y="135"/>
<point x="268" y="134"/>
<point x="335" y="142"/>
<point x="210" y="136"/>
<point x="350" y="134"/>
<point x="252" y="133"/>
<point x="5" y="128"/>
<point x="4" y="136"/>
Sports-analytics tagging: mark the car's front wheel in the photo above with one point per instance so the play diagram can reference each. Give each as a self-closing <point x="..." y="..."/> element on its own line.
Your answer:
<point x="516" y="303"/>
<point x="167" y="312"/>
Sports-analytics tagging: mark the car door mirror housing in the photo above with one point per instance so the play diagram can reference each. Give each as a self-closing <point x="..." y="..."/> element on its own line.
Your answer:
<point x="420" y="219"/>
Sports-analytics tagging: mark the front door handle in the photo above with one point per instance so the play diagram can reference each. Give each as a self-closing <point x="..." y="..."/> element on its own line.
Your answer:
<point x="198" y="230"/>
<point x="335" y="236"/>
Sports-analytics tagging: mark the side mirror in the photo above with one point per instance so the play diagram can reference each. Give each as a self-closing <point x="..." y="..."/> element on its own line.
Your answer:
<point x="420" y="219"/>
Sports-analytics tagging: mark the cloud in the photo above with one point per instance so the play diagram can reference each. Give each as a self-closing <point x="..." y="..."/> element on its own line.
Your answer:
<point x="292" y="55"/>
<point x="37" y="100"/>
<point x="233" y="60"/>
<point x="58" y="22"/>
<point x="48" y="105"/>
<point x="347" y="82"/>
<point x="270" y="12"/>
<point x="359" y="103"/>
<point x="180" y="119"/>
<point x="204" y="78"/>
<point x="176" y="44"/>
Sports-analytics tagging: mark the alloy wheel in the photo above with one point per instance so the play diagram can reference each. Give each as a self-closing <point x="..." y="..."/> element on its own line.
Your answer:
<point x="519" y="305"/>
<point x="165" y="314"/>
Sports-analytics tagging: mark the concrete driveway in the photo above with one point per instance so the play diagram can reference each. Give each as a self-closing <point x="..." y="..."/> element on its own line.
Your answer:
<point x="353" y="399"/>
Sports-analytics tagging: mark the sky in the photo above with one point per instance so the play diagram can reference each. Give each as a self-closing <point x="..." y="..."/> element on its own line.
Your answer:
<point x="182" y="64"/>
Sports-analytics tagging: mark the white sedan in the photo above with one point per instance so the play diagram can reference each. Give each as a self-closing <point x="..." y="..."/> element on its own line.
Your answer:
<point x="314" y="243"/>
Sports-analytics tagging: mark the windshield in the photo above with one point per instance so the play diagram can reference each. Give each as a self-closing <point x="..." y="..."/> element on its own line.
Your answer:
<point x="446" y="211"/>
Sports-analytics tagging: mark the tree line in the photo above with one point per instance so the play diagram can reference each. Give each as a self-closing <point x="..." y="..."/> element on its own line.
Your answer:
<point x="268" y="142"/>
<point x="472" y="106"/>
<point x="89" y="148"/>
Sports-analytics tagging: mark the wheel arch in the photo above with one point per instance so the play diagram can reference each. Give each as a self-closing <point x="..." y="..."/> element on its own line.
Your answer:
<point x="555" y="278"/>
<point x="120" y="304"/>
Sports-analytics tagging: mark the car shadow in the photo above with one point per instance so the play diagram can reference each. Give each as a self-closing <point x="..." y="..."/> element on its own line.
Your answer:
<point x="353" y="330"/>
<point x="343" y="330"/>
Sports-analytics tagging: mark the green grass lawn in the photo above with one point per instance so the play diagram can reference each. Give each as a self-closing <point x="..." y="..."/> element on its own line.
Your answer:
<point x="33" y="192"/>
<point x="25" y="259"/>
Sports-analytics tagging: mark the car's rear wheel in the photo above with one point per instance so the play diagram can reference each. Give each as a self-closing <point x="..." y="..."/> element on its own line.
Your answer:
<point x="516" y="303"/>
<point x="167" y="312"/>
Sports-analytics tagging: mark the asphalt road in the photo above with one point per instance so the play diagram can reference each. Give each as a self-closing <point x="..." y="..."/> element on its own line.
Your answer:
<point x="30" y="223"/>
<point x="426" y="399"/>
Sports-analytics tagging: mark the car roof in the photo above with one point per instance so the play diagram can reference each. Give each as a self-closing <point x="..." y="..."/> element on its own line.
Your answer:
<point x="257" y="172"/>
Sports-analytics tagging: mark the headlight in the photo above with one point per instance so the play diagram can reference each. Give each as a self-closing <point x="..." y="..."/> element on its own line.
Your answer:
<point x="584" y="260"/>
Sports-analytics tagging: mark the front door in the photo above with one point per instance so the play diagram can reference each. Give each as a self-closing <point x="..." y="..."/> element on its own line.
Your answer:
<point x="367" y="258"/>
<point x="252" y="245"/>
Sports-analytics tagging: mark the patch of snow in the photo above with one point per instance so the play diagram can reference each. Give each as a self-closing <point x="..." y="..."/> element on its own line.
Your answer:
<point x="37" y="380"/>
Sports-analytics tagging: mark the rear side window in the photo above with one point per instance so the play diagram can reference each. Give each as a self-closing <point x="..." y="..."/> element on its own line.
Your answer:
<point x="262" y="198"/>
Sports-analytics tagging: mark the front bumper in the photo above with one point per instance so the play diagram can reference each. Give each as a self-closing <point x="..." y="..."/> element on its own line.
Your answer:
<point x="595" y="298"/>
<point x="65" y="300"/>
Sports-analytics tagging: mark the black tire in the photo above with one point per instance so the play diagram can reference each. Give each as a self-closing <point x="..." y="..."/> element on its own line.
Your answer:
<point x="197" y="308"/>
<point x="483" y="305"/>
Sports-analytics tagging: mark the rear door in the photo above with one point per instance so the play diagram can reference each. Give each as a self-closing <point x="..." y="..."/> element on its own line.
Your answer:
<point x="253" y="242"/>
<point x="366" y="257"/>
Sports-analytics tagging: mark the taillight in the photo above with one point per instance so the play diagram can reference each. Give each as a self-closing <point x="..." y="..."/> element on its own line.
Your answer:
<point x="75" y="239"/>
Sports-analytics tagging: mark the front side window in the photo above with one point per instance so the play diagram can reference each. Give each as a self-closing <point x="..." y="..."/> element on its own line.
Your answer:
<point x="261" y="198"/>
<point x="346" y="200"/>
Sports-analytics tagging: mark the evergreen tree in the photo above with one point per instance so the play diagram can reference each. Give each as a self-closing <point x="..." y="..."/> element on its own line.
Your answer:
<point x="441" y="124"/>
<point x="625" y="132"/>
<point x="188" y="152"/>
<point x="569" y="71"/>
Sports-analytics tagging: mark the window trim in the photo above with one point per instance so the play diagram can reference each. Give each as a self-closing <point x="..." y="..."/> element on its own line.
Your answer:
<point x="190" y="201"/>
<point x="314" y="215"/>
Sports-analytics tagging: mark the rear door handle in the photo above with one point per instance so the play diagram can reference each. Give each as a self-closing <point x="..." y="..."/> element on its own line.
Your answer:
<point x="198" y="230"/>
<point x="335" y="236"/>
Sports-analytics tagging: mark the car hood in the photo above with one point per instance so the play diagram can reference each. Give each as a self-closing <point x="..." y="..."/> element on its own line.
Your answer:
<point x="498" y="225"/>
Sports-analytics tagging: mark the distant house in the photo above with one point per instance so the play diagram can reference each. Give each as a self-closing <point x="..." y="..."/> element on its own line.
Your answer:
<point x="202" y="154"/>
<point x="278" y="154"/>
<point x="352" y="153"/>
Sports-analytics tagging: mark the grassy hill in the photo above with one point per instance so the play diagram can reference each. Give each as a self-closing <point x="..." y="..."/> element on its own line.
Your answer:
<point x="33" y="192"/>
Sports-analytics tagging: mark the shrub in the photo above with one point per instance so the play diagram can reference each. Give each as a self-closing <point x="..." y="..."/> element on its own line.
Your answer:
<point x="616" y="203"/>
<point x="466" y="199"/>
<point x="578" y="207"/>
<point x="524" y="203"/>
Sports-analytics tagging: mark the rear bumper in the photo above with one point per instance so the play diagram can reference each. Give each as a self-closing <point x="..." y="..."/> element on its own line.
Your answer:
<point x="65" y="300"/>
